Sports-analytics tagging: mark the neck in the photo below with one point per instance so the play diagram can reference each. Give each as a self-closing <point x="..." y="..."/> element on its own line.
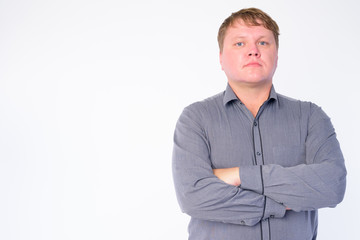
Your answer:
<point x="252" y="96"/>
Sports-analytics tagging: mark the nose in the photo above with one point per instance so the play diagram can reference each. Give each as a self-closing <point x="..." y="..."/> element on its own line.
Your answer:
<point x="254" y="52"/>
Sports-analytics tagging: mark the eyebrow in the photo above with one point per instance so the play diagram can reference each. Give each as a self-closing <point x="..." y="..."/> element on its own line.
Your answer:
<point x="242" y="37"/>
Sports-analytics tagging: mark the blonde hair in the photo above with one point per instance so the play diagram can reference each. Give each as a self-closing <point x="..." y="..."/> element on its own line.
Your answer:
<point x="251" y="17"/>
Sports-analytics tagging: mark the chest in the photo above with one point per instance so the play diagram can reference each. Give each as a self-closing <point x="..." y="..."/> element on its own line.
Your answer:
<point x="272" y="138"/>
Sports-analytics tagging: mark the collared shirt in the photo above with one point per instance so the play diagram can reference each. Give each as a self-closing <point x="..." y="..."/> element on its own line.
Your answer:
<point x="288" y="156"/>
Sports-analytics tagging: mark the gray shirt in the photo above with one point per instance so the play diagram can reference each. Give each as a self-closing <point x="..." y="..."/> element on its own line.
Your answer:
<point x="288" y="157"/>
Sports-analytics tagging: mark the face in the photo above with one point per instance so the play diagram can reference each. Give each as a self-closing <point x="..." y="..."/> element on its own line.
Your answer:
<point x="249" y="54"/>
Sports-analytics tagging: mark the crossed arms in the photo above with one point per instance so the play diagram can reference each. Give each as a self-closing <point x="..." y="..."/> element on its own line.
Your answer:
<point x="247" y="194"/>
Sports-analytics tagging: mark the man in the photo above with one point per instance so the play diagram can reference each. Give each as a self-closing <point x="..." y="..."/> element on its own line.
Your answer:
<point x="250" y="163"/>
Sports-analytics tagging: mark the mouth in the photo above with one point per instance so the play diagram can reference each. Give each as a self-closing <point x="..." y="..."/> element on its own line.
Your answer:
<point x="252" y="64"/>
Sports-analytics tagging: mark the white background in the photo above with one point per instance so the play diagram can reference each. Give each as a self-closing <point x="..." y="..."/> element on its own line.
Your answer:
<point x="90" y="92"/>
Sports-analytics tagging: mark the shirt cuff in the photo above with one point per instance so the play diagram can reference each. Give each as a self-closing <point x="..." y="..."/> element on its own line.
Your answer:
<point x="273" y="209"/>
<point x="251" y="178"/>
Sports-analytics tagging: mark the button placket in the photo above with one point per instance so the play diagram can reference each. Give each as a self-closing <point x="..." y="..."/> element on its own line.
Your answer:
<point x="257" y="143"/>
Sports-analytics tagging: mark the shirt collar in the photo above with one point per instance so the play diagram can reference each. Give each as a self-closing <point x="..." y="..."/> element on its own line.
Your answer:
<point x="231" y="96"/>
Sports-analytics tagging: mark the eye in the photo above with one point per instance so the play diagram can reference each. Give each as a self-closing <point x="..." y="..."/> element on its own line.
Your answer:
<point x="263" y="43"/>
<point x="239" y="44"/>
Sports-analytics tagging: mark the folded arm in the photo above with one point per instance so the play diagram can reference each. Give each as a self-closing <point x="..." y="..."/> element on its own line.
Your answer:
<point x="321" y="183"/>
<point x="200" y="193"/>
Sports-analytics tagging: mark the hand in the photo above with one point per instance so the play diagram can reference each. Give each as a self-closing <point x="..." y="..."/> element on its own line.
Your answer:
<point x="228" y="175"/>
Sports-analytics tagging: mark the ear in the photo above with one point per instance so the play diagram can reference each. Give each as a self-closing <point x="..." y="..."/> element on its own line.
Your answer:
<point x="221" y="61"/>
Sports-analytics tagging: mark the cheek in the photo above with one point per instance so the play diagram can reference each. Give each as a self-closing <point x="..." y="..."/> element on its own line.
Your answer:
<point x="231" y="61"/>
<point x="272" y="60"/>
<point x="275" y="60"/>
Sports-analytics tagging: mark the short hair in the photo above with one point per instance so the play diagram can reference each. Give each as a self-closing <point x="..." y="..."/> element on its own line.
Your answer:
<point x="251" y="17"/>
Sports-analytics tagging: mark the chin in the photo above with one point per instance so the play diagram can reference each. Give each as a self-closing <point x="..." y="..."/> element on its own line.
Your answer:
<point x="259" y="79"/>
<point x="255" y="82"/>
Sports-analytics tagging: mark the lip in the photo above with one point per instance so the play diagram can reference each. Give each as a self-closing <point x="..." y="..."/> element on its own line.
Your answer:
<point x="252" y="64"/>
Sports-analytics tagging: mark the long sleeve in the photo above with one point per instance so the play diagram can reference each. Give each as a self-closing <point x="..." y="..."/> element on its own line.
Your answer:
<point x="319" y="183"/>
<point x="200" y="193"/>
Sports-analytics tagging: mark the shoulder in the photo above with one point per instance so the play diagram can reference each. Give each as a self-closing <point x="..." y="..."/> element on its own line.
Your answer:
<point x="306" y="109"/>
<point x="206" y="106"/>
<point x="304" y="106"/>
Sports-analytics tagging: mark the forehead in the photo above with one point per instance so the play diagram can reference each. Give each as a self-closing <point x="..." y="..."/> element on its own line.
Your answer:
<point x="242" y="29"/>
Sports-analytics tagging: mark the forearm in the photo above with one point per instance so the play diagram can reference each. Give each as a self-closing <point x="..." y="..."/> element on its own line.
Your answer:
<point x="301" y="188"/>
<point x="202" y="195"/>
<point x="228" y="175"/>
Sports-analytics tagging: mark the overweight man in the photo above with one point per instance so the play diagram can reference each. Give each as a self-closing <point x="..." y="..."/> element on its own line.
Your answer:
<point x="250" y="163"/>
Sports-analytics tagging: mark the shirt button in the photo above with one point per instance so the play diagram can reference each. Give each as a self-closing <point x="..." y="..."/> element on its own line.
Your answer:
<point x="255" y="124"/>
<point x="272" y="216"/>
<point x="242" y="222"/>
<point x="258" y="153"/>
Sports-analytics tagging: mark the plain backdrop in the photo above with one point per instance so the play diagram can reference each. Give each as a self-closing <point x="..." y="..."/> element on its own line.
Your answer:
<point x="90" y="92"/>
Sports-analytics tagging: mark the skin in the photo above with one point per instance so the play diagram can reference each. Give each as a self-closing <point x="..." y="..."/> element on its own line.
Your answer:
<point x="249" y="59"/>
